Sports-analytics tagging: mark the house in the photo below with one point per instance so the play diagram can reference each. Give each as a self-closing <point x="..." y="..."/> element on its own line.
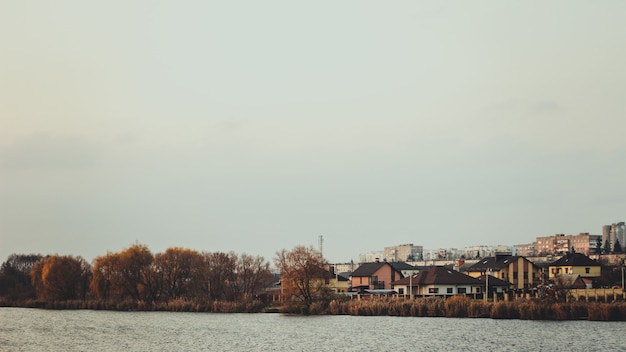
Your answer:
<point x="374" y="276"/>
<point x="405" y="268"/>
<point x="575" y="263"/>
<point x="340" y="282"/>
<point x="495" y="284"/>
<point x="517" y="270"/>
<point x="569" y="281"/>
<point x="437" y="280"/>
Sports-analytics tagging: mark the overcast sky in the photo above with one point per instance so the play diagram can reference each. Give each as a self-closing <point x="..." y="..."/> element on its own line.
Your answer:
<point x="254" y="126"/>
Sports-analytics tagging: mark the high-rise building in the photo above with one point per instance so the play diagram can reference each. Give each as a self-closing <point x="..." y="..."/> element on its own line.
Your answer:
<point x="612" y="233"/>
<point x="404" y="252"/>
<point x="370" y="257"/>
<point x="526" y="250"/>
<point x="606" y="236"/>
<point x="560" y="244"/>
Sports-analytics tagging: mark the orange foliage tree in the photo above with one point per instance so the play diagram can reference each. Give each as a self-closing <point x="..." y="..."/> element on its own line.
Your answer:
<point x="303" y="274"/>
<point x="60" y="278"/>
<point x="124" y="275"/>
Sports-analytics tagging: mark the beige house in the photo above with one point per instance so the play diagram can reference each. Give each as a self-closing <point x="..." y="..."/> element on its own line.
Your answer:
<point x="519" y="271"/>
<point x="575" y="263"/>
<point x="437" y="281"/>
<point x="339" y="283"/>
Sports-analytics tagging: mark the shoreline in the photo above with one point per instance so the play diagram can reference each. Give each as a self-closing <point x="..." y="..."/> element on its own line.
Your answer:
<point x="456" y="307"/>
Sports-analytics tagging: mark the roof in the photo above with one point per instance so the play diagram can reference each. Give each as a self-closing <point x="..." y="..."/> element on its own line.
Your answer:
<point x="381" y="292"/>
<point x="345" y="276"/>
<point x="495" y="263"/>
<point x="438" y="275"/>
<point x="575" y="259"/>
<point x="368" y="269"/>
<point x="493" y="281"/>
<point x="402" y="266"/>
<point x="571" y="281"/>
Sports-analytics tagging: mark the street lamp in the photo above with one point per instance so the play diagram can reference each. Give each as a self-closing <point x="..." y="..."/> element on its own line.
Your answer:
<point x="411" y="284"/>
<point x="623" y="262"/>
<point x="487" y="285"/>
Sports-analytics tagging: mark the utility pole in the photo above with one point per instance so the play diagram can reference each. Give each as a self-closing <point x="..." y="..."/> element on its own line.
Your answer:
<point x="486" y="286"/>
<point x="321" y="242"/>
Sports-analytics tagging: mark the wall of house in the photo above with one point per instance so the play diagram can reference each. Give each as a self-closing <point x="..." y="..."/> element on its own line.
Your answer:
<point x="404" y="289"/>
<point x="518" y="272"/>
<point x="359" y="281"/>
<point x="522" y="274"/>
<point x="443" y="289"/>
<point x="594" y="271"/>
<point x="340" y="286"/>
<point x="388" y="275"/>
<point x="385" y="274"/>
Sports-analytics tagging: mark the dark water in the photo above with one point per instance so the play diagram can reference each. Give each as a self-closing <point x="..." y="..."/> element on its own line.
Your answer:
<point x="83" y="330"/>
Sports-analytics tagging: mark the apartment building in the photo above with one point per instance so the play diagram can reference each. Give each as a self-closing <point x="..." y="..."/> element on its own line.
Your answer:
<point x="403" y="252"/>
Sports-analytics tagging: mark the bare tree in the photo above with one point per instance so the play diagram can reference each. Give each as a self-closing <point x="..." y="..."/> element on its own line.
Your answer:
<point x="220" y="272"/>
<point x="174" y="269"/>
<point x="15" y="281"/>
<point x="252" y="274"/>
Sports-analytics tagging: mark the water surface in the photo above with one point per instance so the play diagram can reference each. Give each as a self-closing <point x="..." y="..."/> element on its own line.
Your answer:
<point x="24" y="329"/>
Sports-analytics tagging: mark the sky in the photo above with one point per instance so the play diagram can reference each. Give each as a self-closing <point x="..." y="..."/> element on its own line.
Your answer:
<point x="257" y="126"/>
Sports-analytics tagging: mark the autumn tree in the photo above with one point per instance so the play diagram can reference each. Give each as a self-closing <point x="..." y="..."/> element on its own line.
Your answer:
<point x="303" y="272"/>
<point x="124" y="275"/>
<point x="175" y="269"/>
<point x="15" y="282"/>
<point x="60" y="278"/>
<point x="219" y="274"/>
<point x="252" y="274"/>
<point x="104" y="277"/>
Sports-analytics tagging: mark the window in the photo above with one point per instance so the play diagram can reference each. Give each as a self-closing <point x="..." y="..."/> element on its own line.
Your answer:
<point x="566" y="270"/>
<point x="554" y="270"/>
<point x="449" y="290"/>
<point x="515" y="275"/>
<point x="462" y="290"/>
<point x="400" y="291"/>
<point x="478" y="290"/>
<point x="502" y="275"/>
<point x="587" y="270"/>
<point x="525" y="275"/>
<point x="433" y="290"/>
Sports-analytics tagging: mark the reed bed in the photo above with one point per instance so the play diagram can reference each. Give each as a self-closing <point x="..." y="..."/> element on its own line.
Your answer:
<point x="454" y="307"/>
<point x="253" y="306"/>
<point x="463" y="307"/>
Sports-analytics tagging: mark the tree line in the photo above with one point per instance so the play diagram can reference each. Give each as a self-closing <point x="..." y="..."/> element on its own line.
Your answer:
<point x="136" y="274"/>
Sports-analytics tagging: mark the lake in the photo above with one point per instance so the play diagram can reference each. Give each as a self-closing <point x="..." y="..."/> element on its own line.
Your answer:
<point x="23" y="329"/>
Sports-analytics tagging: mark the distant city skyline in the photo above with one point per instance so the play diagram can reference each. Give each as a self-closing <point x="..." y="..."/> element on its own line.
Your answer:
<point x="257" y="126"/>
